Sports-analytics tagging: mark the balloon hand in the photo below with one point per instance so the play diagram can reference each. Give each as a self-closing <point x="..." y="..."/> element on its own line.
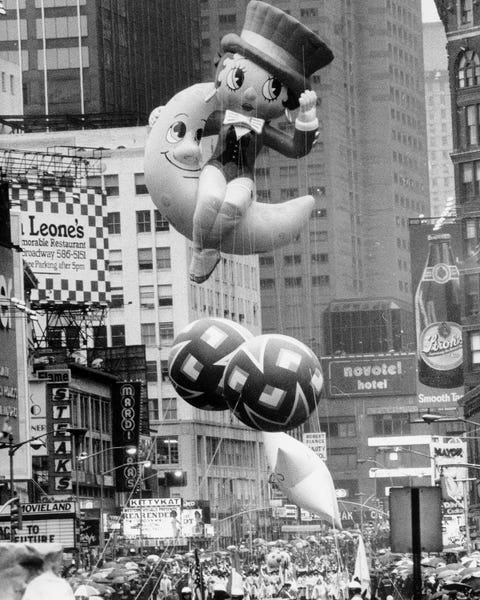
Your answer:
<point x="308" y="107"/>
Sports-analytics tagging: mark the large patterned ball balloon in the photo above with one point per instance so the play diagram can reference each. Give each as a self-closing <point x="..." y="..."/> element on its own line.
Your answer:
<point x="273" y="382"/>
<point x="197" y="360"/>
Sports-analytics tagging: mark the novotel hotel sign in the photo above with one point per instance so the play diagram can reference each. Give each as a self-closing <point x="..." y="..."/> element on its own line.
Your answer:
<point x="370" y="375"/>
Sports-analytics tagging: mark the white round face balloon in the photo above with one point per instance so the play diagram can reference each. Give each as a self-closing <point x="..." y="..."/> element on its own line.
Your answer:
<point x="174" y="155"/>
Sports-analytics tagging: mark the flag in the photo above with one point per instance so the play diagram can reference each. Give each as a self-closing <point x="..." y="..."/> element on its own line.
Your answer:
<point x="198" y="583"/>
<point x="362" y="573"/>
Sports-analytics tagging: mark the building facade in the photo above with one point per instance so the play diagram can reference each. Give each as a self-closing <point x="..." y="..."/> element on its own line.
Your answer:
<point x="439" y="120"/>
<point x="88" y="57"/>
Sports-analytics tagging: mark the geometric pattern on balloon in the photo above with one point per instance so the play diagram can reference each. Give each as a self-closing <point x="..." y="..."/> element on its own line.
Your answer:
<point x="197" y="359"/>
<point x="273" y="382"/>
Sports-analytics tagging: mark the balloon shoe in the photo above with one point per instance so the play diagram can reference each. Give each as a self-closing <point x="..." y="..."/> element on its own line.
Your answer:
<point x="203" y="264"/>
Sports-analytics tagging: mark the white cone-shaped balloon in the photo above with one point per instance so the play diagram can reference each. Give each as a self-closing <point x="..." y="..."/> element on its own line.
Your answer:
<point x="301" y="475"/>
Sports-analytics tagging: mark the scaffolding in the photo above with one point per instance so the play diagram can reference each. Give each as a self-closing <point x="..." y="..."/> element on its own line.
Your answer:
<point x="62" y="166"/>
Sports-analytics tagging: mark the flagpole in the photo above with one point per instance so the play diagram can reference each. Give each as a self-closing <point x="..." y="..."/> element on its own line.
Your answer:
<point x="80" y="57"/>
<point x="44" y="42"/>
<point x="20" y="60"/>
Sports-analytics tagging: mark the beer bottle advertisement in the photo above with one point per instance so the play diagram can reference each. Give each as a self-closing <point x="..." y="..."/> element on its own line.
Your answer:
<point x="435" y="252"/>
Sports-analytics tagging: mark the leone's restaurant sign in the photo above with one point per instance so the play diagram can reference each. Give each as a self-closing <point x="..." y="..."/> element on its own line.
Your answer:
<point x="370" y="375"/>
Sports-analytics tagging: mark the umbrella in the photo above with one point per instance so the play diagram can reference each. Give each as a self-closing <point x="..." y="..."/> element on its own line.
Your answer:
<point x="456" y="586"/>
<point x="86" y="590"/>
<point x="131" y="565"/>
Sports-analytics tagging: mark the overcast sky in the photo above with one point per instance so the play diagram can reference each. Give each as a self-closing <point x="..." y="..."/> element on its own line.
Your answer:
<point x="429" y="11"/>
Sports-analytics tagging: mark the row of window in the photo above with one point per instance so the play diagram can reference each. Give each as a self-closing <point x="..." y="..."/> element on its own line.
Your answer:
<point x="143" y="219"/>
<point x="61" y="27"/>
<point x="63" y="58"/>
<point x="406" y="119"/>
<point x="145" y="259"/>
<point x="295" y="282"/>
<point x="148" y="334"/>
<point x="147" y="296"/>
<point x="293" y="259"/>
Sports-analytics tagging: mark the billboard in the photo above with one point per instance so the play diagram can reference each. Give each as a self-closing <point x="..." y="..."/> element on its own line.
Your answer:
<point x="65" y="243"/>
<point x="126" y="405"/>
<point x="8" y="345"/>
<point x="166" y="518"/>
<point x="316" y="441"/>
<point x="436" y="251"/>
<point x="370" y="376"/>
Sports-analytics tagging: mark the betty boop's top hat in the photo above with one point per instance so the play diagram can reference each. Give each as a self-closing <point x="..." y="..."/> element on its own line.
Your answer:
<point x="280" y="44"/>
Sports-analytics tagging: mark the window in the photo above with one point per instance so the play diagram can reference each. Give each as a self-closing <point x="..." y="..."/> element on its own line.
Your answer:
<point x="100" y="336"/>
<point x="113" y="223"/>
<point x="111" y="185"/>
<point x="262" y="172"/>
<point x="147" y="299"/>
<point x="61" y="27"/>
<point x="147" y="334"/>
<point x="290" y="171"/>
<point x="144" y="222"/>
<point x="153" y="412"/>
<point x="472" y="124"/>
<point x="117" y="297"/>
<point x="266" y="260"/>
<point x="163" y="258"/>
<point x="118" y="335"/>
<point x="115" y="260"/>
<point x="12" y="85"/>
<point x="165" y="295"/>
<point x="145" y="260"/>
<point x="396" y="424"/>
<point x="465" y="12"/>
<point x="468" y="69"/>
<point x="288" y="193"/>
<point x="474" y="343"/>
<point x="161" y="224"/>
<point x="63" y="58"/>
<point x="164" y="370"/>
<point x="469" y="180"/>
<point x="320" y="280"/>
<point x="267" y="284"/>
<point x="264" y="195"/>
<point x="167" y="450"/>
<point x="318" y="236"/>
<point x="342" y="428"/>
<point x="169" y="409"/>
<point x="319" y="213"/>
<point x="151" y="370"/>
<point x="166" y="332"/>
<point x="292" y="259"/>
<point x="344" y="459"/>
<point x="140" y="186"/>
<point x="292" y="282"/>
<point x="320" y="257"/>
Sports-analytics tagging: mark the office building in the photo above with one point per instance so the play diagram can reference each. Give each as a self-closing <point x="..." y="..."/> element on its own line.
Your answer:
<point x="120" y="73"/>
<point x="439" y="120"/>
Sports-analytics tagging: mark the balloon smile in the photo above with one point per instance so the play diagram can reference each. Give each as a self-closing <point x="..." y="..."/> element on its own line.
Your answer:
<point x="176" y="164"/>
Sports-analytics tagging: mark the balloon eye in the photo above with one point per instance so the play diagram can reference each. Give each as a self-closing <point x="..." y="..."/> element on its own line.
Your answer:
<point x="235" y="78"/>
<point x="272" y="89"/>
<point x="176" y="132"/>
<point x="198" y="134"/>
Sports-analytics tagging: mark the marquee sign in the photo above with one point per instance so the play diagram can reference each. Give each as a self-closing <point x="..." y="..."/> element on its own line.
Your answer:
<point x="46" y="523"/>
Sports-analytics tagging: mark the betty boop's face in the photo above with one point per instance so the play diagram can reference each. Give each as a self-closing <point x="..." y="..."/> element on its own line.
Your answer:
<point x="246" y="88"/>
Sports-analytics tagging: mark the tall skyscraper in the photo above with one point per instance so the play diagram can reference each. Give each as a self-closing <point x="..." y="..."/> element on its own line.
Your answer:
<point x="134" y="55"/>
<point x="439" y="119"/>
<point x="368" y="174"/>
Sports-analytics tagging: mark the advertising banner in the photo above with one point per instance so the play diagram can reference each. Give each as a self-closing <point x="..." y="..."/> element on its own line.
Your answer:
<point x="59" y="443"/>
<point x="370" y="376"/>
<point x="8" y="346"/>
<point x="65" y="242"/>
<point x="436" y="251"/>
<point x="316" y="442"/>
<point x="126" y="405"/>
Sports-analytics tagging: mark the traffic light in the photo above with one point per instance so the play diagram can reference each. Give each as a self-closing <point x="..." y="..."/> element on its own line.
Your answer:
<point x="175" y="478"/>
<point x="16" y="514"/>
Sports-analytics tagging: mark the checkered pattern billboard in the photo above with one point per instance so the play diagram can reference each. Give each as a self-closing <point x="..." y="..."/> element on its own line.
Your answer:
<point x="65" y="243"/>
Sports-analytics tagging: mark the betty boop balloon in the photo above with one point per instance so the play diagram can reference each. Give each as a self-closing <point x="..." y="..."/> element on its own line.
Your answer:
<point x="198" y="357"/>
<point x="273" y="382"/>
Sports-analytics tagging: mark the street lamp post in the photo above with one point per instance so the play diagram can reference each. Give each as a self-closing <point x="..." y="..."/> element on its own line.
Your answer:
<point x="84" y="456"/>
<point x="12" y="449"/>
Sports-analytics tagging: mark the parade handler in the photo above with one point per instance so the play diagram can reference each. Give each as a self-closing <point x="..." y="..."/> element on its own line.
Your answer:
<point x="261" y="73"/>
